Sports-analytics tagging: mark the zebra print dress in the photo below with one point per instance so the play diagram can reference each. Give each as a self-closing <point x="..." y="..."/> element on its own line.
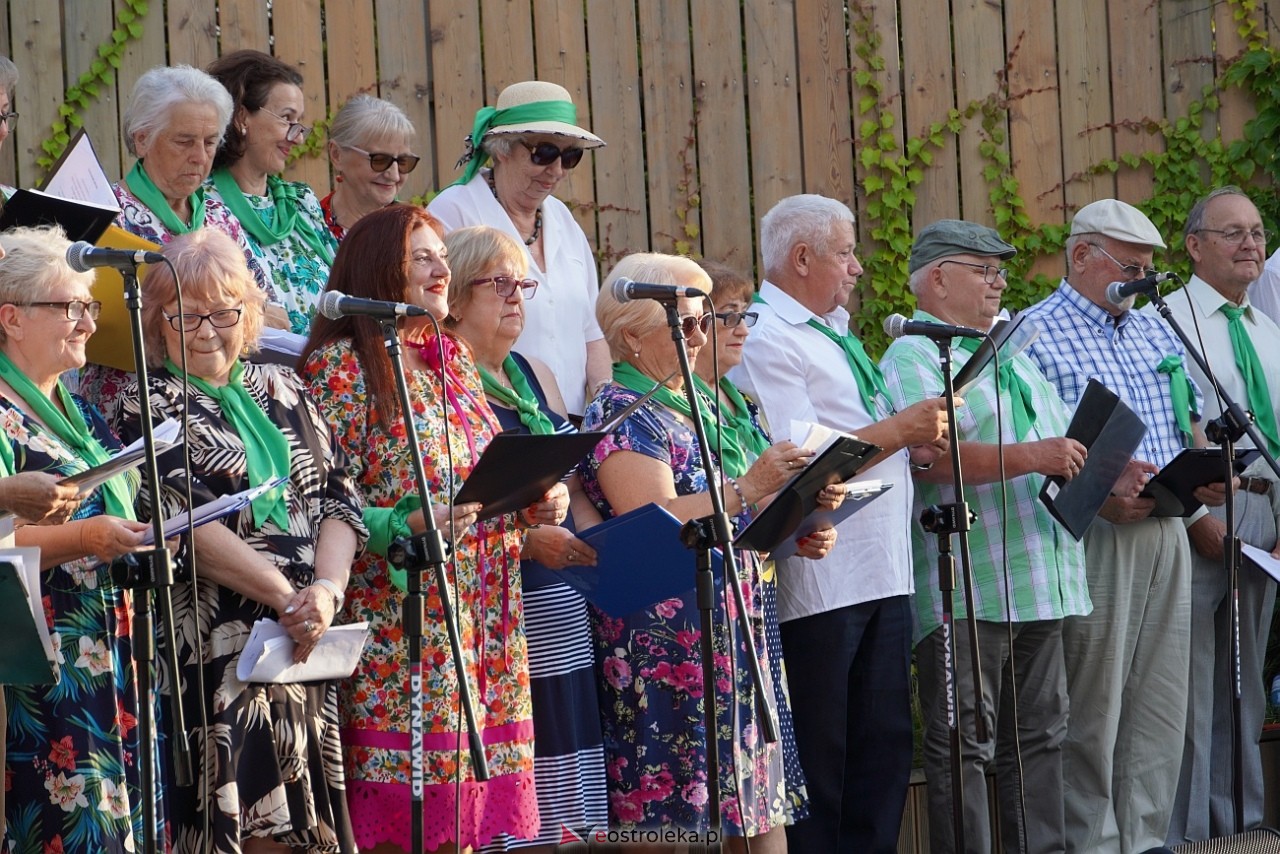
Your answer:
<point x="269" y="762"/>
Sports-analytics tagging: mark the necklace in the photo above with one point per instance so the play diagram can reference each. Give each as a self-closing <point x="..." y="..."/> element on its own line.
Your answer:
<point x="537" y="214"/>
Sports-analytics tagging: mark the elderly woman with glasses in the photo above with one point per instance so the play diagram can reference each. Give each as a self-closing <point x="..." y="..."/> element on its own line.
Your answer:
<point x="73" y="779"/>
<point x="369" y="149"/>
<point x="486" y="309"/>
<point x="286" y="557"/>
<point x="532" y="141"/>
<point x="282" y="219"/>
<point x="397" y="254"/>
<point x="651" y="700"/>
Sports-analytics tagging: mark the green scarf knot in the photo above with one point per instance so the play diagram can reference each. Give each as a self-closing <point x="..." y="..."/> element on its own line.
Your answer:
<point x="1181" y="395"/>
<point x="628" y="376"/>
<point x="271" y="227"/>
<point x="520" y="397"/>
<point x="1013" y="388"/>
<point x="141" y="185"/>
<point x="740" y="439"/>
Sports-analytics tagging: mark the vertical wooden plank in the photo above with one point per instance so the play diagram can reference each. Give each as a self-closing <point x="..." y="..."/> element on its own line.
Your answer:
<point x="39" y="27"/>
<point x="980" y="55"/>
<point x="457" y="78"/>
<point x="8" y="161"/>
<point x="823" y="66"/>
<point x="671" y="154"/>
<point x="619" y="168"/>
<point x="1084" y="72"/>
<point x="354" y="67"/>
<point x="561" y="53"/>
<point x="883" y="20"/>
<point x="193" y="32"/>
<point x="299" y="41"/>
<point x="1235" y="107"/>
<point x="1135" y="91"/>
<point x="243" y="24"/>
<point x="724" y="181"/>
<point x="507" y="36"/>
<point x="930" y="94"/>
<point x="1187" y="29"/>
<point x="86" y="26"/>
<point x="139" y="56"/>
<point x="403" y="44"/>
<point x="773" y="104"/>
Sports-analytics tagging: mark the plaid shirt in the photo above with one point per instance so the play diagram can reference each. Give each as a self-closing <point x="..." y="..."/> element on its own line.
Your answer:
<point x="1080" y="341"/>
<point x="1046" y="565"/>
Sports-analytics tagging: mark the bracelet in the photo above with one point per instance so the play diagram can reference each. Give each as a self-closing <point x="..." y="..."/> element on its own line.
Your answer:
<point x="338" y="597"/>
<point x="738" y="491"/>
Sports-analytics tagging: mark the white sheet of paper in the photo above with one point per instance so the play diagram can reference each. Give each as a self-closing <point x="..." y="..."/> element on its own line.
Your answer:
<point x="27" y="561"/>
<point x="80" y="176"/>
<point x="208" y="512"/>
<point x="125" y="459"/>
<point x="268" y="654"/>
<point x="1262" y="559"/>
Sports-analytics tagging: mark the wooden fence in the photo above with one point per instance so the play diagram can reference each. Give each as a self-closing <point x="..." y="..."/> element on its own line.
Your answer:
<point x="713" y="109"/>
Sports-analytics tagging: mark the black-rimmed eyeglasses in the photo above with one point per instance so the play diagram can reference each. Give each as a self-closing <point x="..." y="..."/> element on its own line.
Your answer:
<point x="733" y="318"/>
<point x="223" y="318"/>
<point x="74" y="309"/>
<point x="989" y="272"/>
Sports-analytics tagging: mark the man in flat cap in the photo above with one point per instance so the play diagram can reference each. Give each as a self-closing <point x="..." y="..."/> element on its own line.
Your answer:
<point x="1127" y="661"/>
<point x="846" y="621"/>
<point x="957" y="278"/>
<point x="1227" y="244"/>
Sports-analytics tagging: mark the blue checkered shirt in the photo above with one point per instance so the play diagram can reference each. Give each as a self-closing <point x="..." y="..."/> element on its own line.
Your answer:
<point x="1080" y="341"/>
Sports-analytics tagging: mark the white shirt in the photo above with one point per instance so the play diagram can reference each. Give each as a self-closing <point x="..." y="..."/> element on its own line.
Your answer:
<point x="561" y="318"/>
<point x="1265" y="292"/>
<point x="1195" y="307"/>
<point x="794" y="371"/>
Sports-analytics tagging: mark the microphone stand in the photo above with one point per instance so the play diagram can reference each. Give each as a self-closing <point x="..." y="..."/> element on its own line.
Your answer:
<point x="704" y="534"/>
<point x="1226" y="430"/>
<point x="415" y="554"/>
<point x="146" y="572"/>
<point x="944" y="520"/>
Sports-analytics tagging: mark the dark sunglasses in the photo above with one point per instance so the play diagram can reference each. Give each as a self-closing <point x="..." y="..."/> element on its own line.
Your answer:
<point x="733" y="318"/>
<point x="689" y="322"/>
<point x="380" y="161"/>
<point x="545" y="153"/>
<point x="505" y="286"/>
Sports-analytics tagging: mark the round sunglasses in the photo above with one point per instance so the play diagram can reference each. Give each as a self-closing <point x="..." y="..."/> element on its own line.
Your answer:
<point x="690" y="322"/>
<point x="545" y="153"/>
<point x="380" y="161"/>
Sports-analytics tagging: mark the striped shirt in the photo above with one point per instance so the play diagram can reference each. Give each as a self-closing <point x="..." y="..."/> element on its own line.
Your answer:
<point x="1046" y="565"/>
<point x="1080" y="341"/>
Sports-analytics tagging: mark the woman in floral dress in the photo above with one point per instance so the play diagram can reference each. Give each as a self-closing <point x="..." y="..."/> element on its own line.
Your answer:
<point x="72" y="770"/>
<point x="651" y="685"/>
<point x="272" y="776"/>
<point x="396" y="254"/>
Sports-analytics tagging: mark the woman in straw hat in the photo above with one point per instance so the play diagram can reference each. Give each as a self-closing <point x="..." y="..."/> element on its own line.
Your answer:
<point x="517" y="154"/>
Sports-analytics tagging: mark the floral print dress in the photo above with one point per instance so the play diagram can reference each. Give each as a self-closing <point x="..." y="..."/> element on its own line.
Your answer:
<point x="487" y="596"/>
<point x="651" y="682"/>
<point x="72" y="775"/>
<point x="273" y="755"/>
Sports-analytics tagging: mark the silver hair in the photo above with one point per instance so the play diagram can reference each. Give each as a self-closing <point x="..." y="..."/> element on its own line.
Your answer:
<point x="499" y="144"/>
<point x="35" y="264"/>
<point x="364" y="117"/>
<point x="1195" y="219"/>
<point x="916" y="280"/>
<point x="164" y="87"/>
<point x="8" y="76"/>
<point x="805" y="218"/>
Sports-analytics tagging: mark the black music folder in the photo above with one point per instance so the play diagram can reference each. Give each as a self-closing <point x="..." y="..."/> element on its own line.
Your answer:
<point x="1174" y="487"/>
<point x="1008" y="337"/>
<point x="1111" y="432"/>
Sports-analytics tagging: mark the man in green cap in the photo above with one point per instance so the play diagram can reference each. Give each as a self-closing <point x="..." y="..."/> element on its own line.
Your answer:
<point x="1227" y="245"/>
<point x="957" y="278"/>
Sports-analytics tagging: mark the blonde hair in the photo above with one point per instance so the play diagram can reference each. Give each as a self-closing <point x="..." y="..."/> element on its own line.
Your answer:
<point x="472" y="251"/>
<point x="210" y="266"/>
<point x="642" y="316"/>
<point x="34" y="265"/>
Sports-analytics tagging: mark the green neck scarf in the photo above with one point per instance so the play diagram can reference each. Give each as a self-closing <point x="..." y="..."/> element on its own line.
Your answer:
<point x="266" y="450"/>
<point x="519" y="397"/>
<point x="1255" y="380"/>
<point x="487" y="118"/>
<point x="1012" y="388"/>
<point x="140" y="184"/>
<point x="742" y="441"/>
<point x="866" y="372"/>
<point x="72" y="430"/>
<point x="270" y="228"/>
<point x="628" y="376"/>
<point x="1181" y="395"/>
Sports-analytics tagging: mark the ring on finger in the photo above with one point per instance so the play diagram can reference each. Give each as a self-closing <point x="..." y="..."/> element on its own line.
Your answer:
<point x="308" y="626"/>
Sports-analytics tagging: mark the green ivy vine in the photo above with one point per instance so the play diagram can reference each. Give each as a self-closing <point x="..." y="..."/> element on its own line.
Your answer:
<point x="88" y="88"/>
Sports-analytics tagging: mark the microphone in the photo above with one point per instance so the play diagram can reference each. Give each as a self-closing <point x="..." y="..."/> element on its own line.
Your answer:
<point x="83" y="256"/>
<point x="1118" y="292"/>
<point x="625" y="290"/>
<point x="895" y="326"/>
<point x="335" y="305"/>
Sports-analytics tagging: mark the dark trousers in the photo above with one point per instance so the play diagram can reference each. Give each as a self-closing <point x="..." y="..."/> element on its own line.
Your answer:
<point x="849" y="672"/>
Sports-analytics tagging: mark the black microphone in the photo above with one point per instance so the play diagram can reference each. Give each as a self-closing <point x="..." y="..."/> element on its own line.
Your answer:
<point x="83" y="256"/>
<point x="895" y="325"/>
<point x="1118" y="292"/>
<point x="334" y="305"/>
<point x="625" y="290"/>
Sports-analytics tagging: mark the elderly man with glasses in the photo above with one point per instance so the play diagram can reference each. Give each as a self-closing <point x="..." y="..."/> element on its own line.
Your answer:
<point x="1227" y="245"/>
<point x="1127" y="661"/>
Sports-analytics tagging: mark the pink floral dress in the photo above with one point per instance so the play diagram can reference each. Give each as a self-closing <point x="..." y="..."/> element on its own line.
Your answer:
<point x="372" y="704"/>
